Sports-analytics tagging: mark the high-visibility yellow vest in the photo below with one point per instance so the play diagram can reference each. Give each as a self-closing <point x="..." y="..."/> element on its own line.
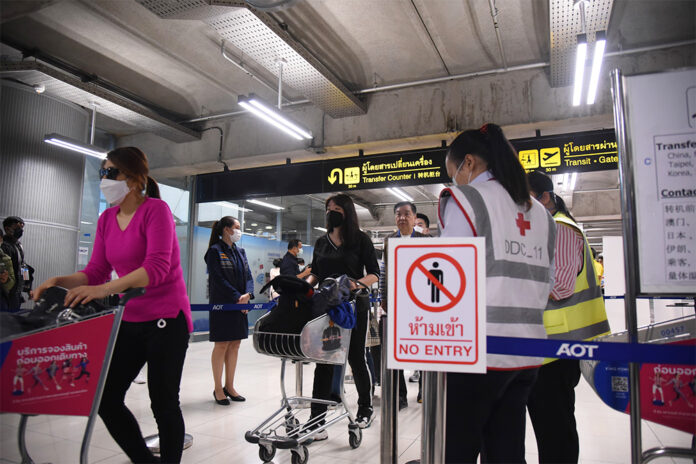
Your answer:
<point x="582" y="316"/>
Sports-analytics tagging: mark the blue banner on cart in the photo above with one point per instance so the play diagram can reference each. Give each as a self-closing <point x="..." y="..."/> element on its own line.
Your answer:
<point x="605" y="351"/>
<point x="233" y="307"/>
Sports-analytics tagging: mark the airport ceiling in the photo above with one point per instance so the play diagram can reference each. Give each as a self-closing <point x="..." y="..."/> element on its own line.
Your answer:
<point x="166" y="54"/>
<point x="164" y="57"/>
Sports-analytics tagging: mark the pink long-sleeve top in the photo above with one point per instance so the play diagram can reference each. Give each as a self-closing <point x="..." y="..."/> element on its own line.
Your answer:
<point x="149" y="241"/>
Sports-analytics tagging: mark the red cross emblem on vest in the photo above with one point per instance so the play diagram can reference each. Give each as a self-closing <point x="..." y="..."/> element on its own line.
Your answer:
<point x="522" y="224"/>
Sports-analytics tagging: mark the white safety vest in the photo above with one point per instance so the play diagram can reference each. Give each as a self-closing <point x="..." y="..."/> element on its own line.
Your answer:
<point x="520" y="247"/>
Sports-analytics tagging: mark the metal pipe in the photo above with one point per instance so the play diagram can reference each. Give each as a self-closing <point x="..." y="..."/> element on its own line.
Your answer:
<point x="389" y="414"/>
<point x="243" y="68"/>
<point x="651" y="48"/>
<point x="280" y="84"/>
<point x="494" y="16"/>
<point x="655" y="453"/>
<point x="93" y="127"/>
<point x="298" y="378"/>
<point x="434" y="415"/>
<point x="628" y="213"/>
<point x="454" y="77"/>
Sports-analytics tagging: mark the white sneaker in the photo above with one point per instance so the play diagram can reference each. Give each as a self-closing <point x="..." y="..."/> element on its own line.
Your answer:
<point x="321" y="435"/>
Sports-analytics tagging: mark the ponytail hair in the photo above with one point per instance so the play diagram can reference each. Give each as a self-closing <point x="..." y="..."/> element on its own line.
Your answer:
<point x="490" y="144"/>
<point x="218" y="227"/>
<point x="561" y="206"/>
<point x="152" y="189"/>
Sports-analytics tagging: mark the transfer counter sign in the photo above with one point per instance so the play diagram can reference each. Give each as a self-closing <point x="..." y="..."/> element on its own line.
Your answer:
<point x="437" y="304"/>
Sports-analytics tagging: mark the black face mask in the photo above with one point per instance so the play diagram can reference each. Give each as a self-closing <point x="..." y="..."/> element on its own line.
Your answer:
<point x="334" y="219"/>
<point x="17" y="233"/>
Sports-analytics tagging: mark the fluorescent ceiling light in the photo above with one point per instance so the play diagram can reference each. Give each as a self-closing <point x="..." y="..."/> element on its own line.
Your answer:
<point x="600" y="44"/>
<point x="580" y="57"/>
<point x="269" y="227"/>
<point x="85" y="222"/>
<point x="227" y="204"/>
<point x="321" y="229"/>
<point x="253" y="224"/>
<point x="74" y="145"/>
<point x="267" y="205"/>
<point x="272" y="116"/>
<point x="399" y="194"/>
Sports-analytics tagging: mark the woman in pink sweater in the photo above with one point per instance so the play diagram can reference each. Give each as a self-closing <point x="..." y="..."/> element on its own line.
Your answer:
<point x="137" y="238"/>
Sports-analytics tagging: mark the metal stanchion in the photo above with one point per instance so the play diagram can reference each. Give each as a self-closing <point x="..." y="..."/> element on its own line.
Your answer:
<point x="389" y="448"/>
<point x="628" y="213"/>
<point x="434" y="415"/>
<point x="298" y="378"/>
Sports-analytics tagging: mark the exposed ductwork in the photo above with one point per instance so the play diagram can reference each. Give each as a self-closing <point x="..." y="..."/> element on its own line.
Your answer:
<point x="68" y="87"/>
<point x="259" y="37"/>
<point x="565" y="25"/>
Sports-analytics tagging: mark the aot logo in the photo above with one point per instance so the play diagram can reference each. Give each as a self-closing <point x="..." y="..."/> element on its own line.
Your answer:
<point x="217" y="307"/>
<point x="576" y="350"/>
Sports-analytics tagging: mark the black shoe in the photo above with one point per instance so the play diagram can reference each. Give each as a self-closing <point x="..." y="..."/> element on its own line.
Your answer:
<point x="403" y="403"/>
<point x="365" y="417"/>
<point x="232" y="397"/>
<point x="224" y="402"/>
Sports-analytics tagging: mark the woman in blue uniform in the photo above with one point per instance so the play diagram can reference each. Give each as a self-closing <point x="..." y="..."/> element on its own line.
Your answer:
<point x="229" y="281"/>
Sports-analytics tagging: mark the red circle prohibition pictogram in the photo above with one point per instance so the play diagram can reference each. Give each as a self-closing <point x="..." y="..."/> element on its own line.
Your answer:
<point x="454" y="299"/>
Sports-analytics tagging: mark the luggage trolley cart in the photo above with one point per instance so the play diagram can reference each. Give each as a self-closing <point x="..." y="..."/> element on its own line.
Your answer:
<point x="667" y="391"/>
<point x="63" y="349"/>
<point x="321" y="342"/>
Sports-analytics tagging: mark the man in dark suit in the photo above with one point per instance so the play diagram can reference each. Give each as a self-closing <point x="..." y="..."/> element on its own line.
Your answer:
<point x="405" y="218"/>
<point x="289" y="265"/>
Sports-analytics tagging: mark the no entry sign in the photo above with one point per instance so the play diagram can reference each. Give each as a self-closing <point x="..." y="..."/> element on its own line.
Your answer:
<point x="437" y="304"/>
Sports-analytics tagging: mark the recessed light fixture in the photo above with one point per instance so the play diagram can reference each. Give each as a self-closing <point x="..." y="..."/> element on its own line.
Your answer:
<point x="269" y="227"/>
<point x="74" y="145"/>
<point x="227" y="204"/>
<point x="253" y="224"/>
<point x="321" y="229"/>
<point x="267" y="205"/>
<point x="600" y="45"/>
<point x="399" y="194"/>
<point x="580" y="57"/>
<point x="273" y="116"/>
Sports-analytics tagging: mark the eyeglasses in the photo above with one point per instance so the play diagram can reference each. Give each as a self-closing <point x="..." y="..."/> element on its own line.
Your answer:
<point x="109" y="173"/>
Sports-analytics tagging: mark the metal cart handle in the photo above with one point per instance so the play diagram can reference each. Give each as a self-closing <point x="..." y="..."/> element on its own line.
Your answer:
<point x="131" y="293"/>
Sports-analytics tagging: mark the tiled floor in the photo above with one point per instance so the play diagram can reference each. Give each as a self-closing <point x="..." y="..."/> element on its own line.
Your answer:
<point x="218" y="431"/>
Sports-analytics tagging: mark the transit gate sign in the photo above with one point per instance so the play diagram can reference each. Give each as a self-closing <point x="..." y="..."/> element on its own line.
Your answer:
<point x="437" y="304"/>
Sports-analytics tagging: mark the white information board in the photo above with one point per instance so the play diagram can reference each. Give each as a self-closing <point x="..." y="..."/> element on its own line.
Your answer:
<point x="661" y="123"/>
<point x="437" y="304"/>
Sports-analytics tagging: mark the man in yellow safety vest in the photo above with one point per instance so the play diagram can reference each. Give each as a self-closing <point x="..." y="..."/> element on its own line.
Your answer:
<point x="575" y="311"/>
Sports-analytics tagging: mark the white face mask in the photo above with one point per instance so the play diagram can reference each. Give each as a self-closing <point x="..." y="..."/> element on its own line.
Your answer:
<point x="236" y="235"/>
<point x="418" y="229"/>
<point x="114" y="190"/>
<point x="299" y="251"/>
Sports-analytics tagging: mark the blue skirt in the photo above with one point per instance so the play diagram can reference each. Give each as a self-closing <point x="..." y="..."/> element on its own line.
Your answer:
<point x="226" y="326"/>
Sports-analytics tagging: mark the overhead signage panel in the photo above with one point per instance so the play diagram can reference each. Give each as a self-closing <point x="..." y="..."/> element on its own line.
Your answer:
<point x="380" y="171"/>
<point x="577" y="152"/>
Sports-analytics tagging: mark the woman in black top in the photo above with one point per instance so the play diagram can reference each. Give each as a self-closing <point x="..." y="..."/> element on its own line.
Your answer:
<point x="345" y="249"/>
<point x="229" y="281"/>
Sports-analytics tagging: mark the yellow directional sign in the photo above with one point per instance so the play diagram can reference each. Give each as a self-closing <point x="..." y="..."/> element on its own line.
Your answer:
<point x="529" y="159"/>
<point x="332" y="178"/>
<point x="351" y="176"/>
<point x="550" y="157"/>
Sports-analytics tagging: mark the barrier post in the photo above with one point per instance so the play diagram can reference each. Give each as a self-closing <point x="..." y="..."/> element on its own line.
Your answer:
<point x="298" y="378"/>
<point x="389" y="447"/>
<point x="434" y="415"/>
<point x="628" y="215"/>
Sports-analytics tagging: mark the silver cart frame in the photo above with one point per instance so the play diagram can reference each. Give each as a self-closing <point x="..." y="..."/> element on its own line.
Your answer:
<point x="283" y="429"/>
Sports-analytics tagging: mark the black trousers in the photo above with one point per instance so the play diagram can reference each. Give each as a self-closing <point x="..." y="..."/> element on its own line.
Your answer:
<point x="486" y="415"/>
<point x="552" y="410"/>
<point x="164" y="350"/>
<point x="323" y="373"/>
